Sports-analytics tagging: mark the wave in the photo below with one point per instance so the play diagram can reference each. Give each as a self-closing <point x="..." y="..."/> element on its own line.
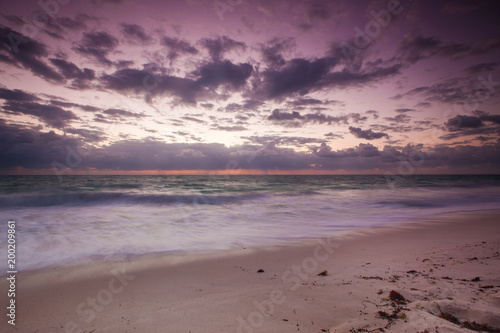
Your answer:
<point x="107" y="198"/>
<point x="440" y="201"/>
<point x="121" y="186"/>
<point x="299" y="193"/>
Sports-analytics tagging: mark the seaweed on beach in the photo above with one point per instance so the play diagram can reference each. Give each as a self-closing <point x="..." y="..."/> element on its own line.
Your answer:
<point x="396" y="314"/>
<point x="468" y="324"/>
<point x="397" y="297"/>
<point x="486" y="287"/>
<point x="449" y="317"/>
<point x="372" y="278"/>
<point x="479" y="327"/>
<point x="396" y="302"/>
<point x="358" y="330"/>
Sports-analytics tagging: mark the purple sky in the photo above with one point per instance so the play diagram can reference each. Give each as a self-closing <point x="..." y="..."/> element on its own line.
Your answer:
<point x="116" y="86"/>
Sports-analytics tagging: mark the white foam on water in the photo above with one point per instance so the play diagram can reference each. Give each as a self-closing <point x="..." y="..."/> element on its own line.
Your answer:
<point x="62" y="234"/>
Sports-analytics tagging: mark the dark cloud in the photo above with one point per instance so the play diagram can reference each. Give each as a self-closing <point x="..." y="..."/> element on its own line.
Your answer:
<point x="188" y="90"/>
<point x="423" y="105"/>
<point x="145" y="82"/>
<point x="223" y="73"/>
<point x="19" y="50"/>
<point x="318" y="10"/>
<point x="484" y="116"/>
<point x="54" y="34"/>
<point x="272" y="51"/>
<point x="242" y="118"/>
<point x="119" y="113"/>
<point x="229" y="128"/>
<point x="410" y="93"/>
<point x="155" y="155"/>
<point x="208" y="106"/>
<point x="373" y="113"/>
<point x="278" y="115"/>
<point x="483" y="138"/>
<point x="400" y="118"/>
<point x="485" y="47"/>
<point x="276" y="140"/>
<point x="176" y="47"/>
<point x="471" y="131"/>
<point x="87" y="108"/>
<point x="88" y="135"/>
<point x="394" y="127"/>
<point x="70" y="71"/>
<point x="321" y="118"/>
<point x="247" y="105"/>
<point x="17" y="95"/>
<point x="69" y="23"/>
<point x="465" y="155"/>
<point x="81" y="78"/>
<point x="317" y="117"/>
<point x="481" y="124"/>
<point x="367" y="134"/>
<point x="252" y="104"/>
<point x="353" y="58"/>
<point x="84" y="17"/>
<point x="102" y="119"/>
<point x="301" y="103"/>
<point x="456" y="90"/>
<point x="218" y="46"/>
<point x="333" y="135"/>
<point x="459" y="122"/>
<point x="304" y="101"/>
<point x="97" y="45"/>
<point x="415" y="48"/>
<point x="196" y="120"/>
<point x="135" y="32"/>
<point x="481" y="68"/>
<point x="29" y="148"/>
<point x="423" y="122"/>
<point x="363" y="150"/>
<point x="298" y="76"/>
<point x="49" y="114"/>
<point x="301" y="76"/>
<point x="14" y="19"/>
<point x="404" y="110"/>
<point x="50" y="26"/>
<point x="123" y="64"/>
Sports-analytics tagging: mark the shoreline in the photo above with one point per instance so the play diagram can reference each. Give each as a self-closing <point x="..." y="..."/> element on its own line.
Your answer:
<point x="223" y="292"/>
<point x="180" y="255"/>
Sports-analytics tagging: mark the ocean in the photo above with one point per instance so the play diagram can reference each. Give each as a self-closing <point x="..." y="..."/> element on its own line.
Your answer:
<point x="81" y="219"/>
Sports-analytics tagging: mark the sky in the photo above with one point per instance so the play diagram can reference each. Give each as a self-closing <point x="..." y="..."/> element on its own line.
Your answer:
<point x="249" y="87"/>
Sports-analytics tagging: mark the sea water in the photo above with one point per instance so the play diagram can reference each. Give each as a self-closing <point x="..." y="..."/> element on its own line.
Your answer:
<point x="76" y="219"/>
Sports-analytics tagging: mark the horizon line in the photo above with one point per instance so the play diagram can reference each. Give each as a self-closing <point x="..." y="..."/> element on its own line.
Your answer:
<point x="228" y="172"/>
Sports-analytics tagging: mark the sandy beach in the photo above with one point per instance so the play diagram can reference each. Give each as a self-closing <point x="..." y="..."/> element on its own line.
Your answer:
<point x="386" y="279"/>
